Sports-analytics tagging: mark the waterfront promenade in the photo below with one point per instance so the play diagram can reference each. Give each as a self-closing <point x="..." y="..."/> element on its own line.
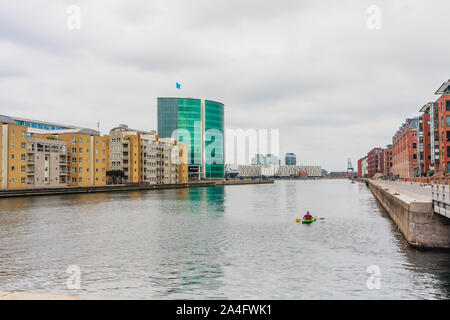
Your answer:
<point x="415" y="191"/>
<point x="410" y="207"/>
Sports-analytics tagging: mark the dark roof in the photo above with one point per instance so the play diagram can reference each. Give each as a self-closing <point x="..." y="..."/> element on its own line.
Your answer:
<point x="444" y="88"/>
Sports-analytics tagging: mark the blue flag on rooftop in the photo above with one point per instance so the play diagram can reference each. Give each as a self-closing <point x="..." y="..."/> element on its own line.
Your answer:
<point x="178" y="85"/>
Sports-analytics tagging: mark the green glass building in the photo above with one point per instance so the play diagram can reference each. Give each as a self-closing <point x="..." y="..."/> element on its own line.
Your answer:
<point x="199" y="124"/>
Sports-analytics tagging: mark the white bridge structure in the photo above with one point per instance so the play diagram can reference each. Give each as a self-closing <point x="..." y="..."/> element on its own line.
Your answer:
<point x="278" y="171"/>
<point x="440" y="194"/>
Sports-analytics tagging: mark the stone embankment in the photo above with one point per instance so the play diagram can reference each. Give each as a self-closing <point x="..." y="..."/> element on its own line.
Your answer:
<point x="413" y="214"/>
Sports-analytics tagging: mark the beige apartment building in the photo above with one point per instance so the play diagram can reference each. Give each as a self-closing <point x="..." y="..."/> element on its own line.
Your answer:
<point x="47" y="163"/>
<point x="144" y="158"/>
<point x="161" y="160"/>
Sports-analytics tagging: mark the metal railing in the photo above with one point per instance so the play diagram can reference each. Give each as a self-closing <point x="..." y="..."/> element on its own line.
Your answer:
<point x="440" y="194"/>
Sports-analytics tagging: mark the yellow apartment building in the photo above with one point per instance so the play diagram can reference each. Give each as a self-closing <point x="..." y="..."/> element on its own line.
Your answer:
<point x="13" y="155"/>
<point x="88" y="156"/>
<point x="101" y="159"/>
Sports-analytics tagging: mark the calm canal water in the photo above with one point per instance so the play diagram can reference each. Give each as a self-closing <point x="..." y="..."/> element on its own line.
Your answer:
<point x="234" y="242"/>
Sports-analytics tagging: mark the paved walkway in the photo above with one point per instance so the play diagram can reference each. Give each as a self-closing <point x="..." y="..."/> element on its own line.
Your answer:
<point x="412" y="190"/>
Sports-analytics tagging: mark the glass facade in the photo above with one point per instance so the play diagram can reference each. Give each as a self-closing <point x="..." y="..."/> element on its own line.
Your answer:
<point x="214" y="139"/>
<point x="40" y="125"/>
<point x="290" y="159"/>
<point x="183" y="115"/>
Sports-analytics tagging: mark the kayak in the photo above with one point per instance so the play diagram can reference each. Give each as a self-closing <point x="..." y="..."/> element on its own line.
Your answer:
<point x="309" y="221"/>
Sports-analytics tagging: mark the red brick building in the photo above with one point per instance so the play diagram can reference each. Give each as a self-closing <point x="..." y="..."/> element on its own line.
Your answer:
<point x="387" y="161"/>
<point x="375" y="161"/>
<point x="404" y="150"/>
<point x="424" y="142"/>
<point x="360" y="173"/>
<point x="443" y="115"/>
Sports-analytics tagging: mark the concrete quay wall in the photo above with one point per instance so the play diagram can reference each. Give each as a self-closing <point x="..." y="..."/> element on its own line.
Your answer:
<point x="415" y="218"/>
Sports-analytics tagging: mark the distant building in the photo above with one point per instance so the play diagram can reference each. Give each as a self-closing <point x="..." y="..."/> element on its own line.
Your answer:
<point x="290" y="159"/>
<point x="365" y="167"/>
<point x="404" y="150"/>
<point x="360" y="167"/>
<point x="375" y="161"/>
<point x="387" y="161"/>
<point x="278" y="171"/>
<point x="267" y="159"/>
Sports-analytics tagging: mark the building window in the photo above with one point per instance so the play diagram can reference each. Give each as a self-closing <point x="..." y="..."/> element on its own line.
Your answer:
<point x="74" y="179"/>
<point x="74" y="160"/>
<point x="22" y="180"/>
<point x="447" y="120"/>
<point x="74" y="140"/>
<point x="12" y="168"/>
<point x="23" y="145"/>
<point x="80" y="150"/>
<point x="80" y="179"/>
<point x="12" y="156"/>
<point x="22" y="157"/>
<point x="414" y="145"/>
<point x="13" y="144"/>
<point x="74" y="150"/>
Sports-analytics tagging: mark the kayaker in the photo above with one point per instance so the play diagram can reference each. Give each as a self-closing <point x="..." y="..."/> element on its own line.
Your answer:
<point x="307" y="216"/>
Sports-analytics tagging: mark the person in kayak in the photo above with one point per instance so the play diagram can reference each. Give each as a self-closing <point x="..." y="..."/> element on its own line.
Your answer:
<point x="307" y="216"/>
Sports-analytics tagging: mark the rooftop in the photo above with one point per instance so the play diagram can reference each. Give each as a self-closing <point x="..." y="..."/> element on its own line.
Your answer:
<point x="444" y="88"/>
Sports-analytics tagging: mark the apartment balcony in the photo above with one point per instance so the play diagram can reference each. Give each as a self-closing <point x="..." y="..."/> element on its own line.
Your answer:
<point x="30" y="172"/>
<point x="30" y="160"/>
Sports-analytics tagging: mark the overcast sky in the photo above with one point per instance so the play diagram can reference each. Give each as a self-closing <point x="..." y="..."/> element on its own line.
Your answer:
<point x="313" y="69"/>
